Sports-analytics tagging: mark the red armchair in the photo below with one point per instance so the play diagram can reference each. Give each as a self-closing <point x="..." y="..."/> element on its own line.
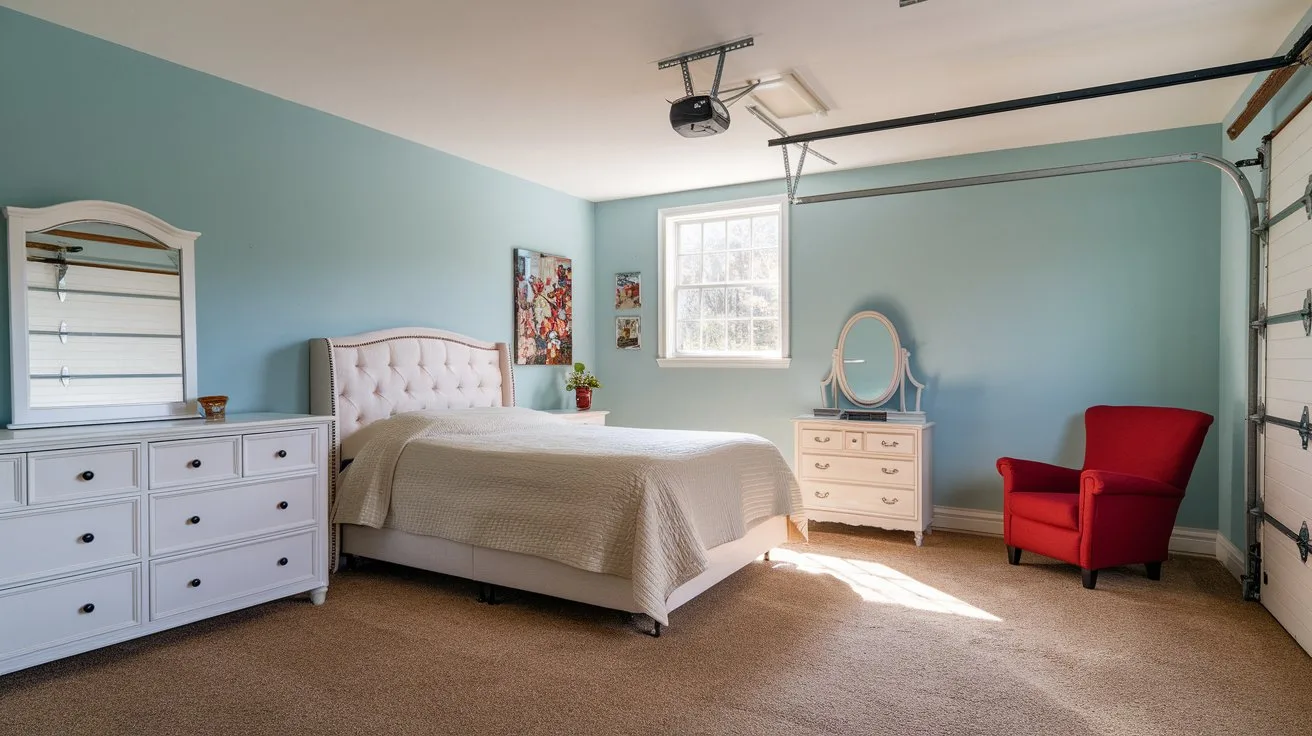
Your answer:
<point x="1120" y="509"/>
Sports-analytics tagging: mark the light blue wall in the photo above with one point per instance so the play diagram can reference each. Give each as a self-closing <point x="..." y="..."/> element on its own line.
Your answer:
<point x="311" y="225"/>
<point x="1022" y="304"/>
<point x="1233" y="374"/>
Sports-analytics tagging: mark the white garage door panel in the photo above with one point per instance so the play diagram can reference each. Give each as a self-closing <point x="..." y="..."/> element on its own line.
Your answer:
<point x="1288" y="234"/>
<point x="1289" y="503"/>
<point x="1286" y="592"/>
<point x="1291" y="370"/>
<point x="1291" y="138"/>
<point x="1286" y="472"/>
<point x="1294" y="282"/>
<point x="1290" y="347"/>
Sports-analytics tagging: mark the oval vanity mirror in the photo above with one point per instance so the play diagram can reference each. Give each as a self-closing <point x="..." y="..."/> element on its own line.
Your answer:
<point x="870" y="359"/>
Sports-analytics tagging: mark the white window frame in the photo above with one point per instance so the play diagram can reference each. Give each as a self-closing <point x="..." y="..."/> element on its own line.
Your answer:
<point x="667" y="221"/>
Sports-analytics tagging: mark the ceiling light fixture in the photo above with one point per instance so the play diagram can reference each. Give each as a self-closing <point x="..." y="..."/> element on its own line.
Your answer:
<point x="787" y="96"/>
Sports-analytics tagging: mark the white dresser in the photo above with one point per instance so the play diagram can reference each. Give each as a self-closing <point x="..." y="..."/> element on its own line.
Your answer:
<point x="112" y="532"/>
<point x="866" y="473"/>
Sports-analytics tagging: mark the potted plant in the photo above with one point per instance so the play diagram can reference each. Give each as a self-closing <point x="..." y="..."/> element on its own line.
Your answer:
<point x="581" y="382"/>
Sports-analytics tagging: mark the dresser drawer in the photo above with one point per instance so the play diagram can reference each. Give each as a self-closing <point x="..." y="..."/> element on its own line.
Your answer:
<point x="861" y="469"/>
<point x="13" y="489"/>
<point x="899" y="503"/>
<point x="66" y="475"/>
<point x="184" y="584"/>
<point x="50" y="614"/>
<point x="821" y="439"/>
<point x="33" y="543"/>
<point x="188" y="462"/>
<point x="190" y="519"/>
<point x="890" y="443"/>
<point x="279" y="452"/>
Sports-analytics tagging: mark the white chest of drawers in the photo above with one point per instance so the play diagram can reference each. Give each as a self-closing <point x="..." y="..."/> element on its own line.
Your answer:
<point x="112" y="532"/>
<point x="866" y="473"/>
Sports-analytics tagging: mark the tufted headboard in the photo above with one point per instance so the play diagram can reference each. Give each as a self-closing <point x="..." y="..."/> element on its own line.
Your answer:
<point x="363" y="378"/>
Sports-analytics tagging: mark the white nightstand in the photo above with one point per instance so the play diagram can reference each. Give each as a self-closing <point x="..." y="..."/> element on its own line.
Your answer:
<point x="591" y="416"/>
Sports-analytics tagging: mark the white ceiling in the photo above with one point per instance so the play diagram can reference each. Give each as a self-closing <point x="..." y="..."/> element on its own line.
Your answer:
<point x="566" y="92"/>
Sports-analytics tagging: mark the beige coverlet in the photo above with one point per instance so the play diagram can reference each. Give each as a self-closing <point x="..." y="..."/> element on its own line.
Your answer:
<point x="640" y="504"/>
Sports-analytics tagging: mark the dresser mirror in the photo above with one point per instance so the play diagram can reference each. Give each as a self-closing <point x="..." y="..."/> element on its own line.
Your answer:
<point x="102" y="315"/>
<point x="871" y="369"/>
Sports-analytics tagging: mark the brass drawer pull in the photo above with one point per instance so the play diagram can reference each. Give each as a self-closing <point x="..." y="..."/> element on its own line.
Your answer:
<point x="889" y="471"/>
<point x="822" y="439"/>
<point x="820" y="494"/>
<point x="886" y="443"/>
<point x="885" y="500"/>
<point x="818" y="466"/>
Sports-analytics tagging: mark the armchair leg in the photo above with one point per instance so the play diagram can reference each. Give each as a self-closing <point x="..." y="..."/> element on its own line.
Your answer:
<point x="1089" y="578"/>
<point x="1013" y="555"/>
<point x="1154" y="570"/>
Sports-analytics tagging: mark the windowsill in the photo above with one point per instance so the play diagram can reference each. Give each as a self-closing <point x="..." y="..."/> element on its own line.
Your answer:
<point x="727" y="362"/>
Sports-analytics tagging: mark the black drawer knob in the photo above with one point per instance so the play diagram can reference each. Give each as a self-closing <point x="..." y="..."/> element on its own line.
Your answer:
<point x="88" y="538"/>
<point x="195" y="463"/>
<point x="282" y="505"/>
<point x="194" y="520"/>
<point x="87" y="475"/>
<point x="88" y="608"/>
<point x="282" y="562"/>
<point x="282" y="453"/>
<point x="195" y="583"/>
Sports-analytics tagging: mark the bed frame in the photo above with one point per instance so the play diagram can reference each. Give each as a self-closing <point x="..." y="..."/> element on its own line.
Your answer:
<point x="364" y="378"/>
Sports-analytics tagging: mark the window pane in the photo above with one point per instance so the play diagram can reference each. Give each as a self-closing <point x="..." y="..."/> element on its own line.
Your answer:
<point x="765" y="231"/>
<point x="740" y="335"/>
<point x="690" y="304"/>
<point x="690" y="336"/>
<point x="713" y="265"/>
<point x="713" y="236"/>
<point x="765" y="334"/>
<point x="765" y="301"/>
<point x="740" y="234"/>
<point x="690" y="238"/>
<point x="765" y="265"/>
<point x="740" y="303"/>
<point x="740" y="265"/>
<point x="690" y="270"/>
<point x="713" y="337"/>
<point x="713" y="303"/>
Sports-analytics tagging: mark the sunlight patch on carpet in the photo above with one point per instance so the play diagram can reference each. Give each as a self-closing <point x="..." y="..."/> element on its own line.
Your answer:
<point x="878" y="583"/>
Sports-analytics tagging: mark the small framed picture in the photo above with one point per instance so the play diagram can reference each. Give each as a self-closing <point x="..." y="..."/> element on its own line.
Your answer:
<point x="628" y="333"/>
<point x="628" y="291"/>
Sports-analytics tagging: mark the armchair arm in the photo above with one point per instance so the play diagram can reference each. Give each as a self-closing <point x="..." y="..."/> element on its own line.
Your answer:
<point x="1030" y="475"/>
<point x="1107" y="483"/>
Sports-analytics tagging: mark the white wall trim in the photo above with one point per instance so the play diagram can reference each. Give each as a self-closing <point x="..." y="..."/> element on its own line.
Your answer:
<point x="725" y="362"/>
<point x="1230" y="556"/>
<point x="1184" y="540"/>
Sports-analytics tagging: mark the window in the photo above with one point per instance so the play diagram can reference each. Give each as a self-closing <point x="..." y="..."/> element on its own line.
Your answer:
<point x="724" y="285"/>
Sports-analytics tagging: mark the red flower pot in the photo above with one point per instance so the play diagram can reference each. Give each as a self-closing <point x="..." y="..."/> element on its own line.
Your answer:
<point x="583" y="398"/>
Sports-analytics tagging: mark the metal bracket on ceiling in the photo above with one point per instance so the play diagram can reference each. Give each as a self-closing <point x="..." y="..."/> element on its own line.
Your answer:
<point x="705" y="53"/>
<point x="790" y="181"/>
<point x="718" y="50"/>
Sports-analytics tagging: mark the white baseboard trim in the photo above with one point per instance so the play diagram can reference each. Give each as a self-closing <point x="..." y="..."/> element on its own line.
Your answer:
<point x="1184" y="540"/>
<point x="1230" y="556"/>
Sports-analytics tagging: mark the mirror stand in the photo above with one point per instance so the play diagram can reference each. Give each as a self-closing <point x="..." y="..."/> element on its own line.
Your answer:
<point x="829" y="394"/>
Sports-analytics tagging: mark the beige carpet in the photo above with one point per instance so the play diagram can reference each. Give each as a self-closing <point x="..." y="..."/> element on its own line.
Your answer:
<point x="856" y="633"/>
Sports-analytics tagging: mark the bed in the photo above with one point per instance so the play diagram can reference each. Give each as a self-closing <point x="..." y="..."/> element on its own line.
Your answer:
<point x="438" y="459"/>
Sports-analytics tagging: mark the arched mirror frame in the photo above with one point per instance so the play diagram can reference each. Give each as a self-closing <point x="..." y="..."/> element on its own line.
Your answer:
<point x="26" y="220"/>
<point x="836" y="380"/>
